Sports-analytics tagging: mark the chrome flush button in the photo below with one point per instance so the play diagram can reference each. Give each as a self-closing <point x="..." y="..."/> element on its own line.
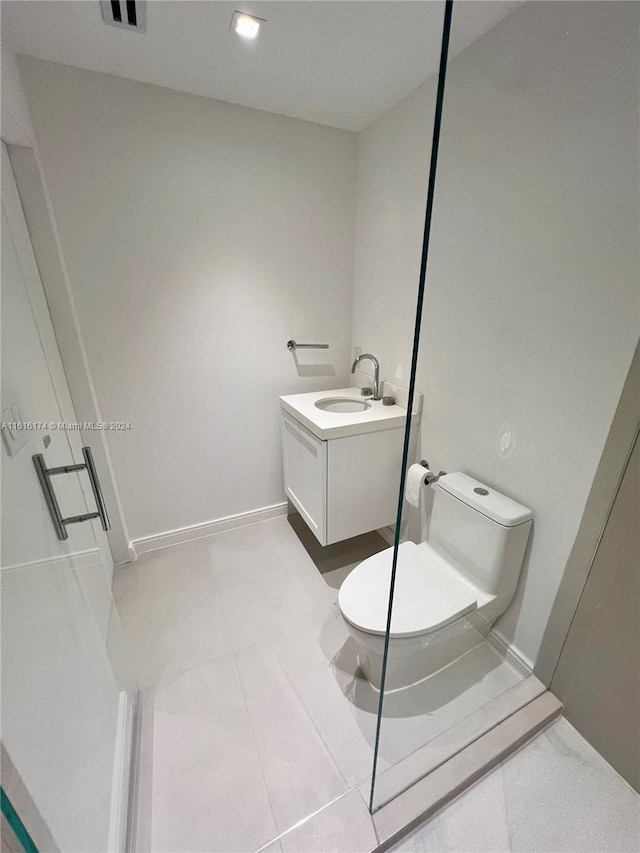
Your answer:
<point x="480" y="491"/>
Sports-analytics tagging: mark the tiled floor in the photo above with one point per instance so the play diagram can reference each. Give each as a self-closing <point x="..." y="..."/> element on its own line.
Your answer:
<point x="254" y="716"/>
<point x="556" y="794"/>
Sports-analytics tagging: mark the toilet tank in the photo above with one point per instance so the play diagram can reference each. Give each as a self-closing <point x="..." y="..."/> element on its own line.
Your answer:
<point x="480" y="532"/>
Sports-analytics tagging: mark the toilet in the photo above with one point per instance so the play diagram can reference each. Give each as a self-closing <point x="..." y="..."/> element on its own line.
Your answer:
<point x="449" y="589"/>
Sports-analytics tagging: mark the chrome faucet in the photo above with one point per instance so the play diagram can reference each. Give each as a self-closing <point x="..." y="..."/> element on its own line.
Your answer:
<point x="376" y="372"/>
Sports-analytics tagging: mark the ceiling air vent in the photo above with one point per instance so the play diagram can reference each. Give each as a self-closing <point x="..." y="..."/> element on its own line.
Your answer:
<point x="130" y="14"/>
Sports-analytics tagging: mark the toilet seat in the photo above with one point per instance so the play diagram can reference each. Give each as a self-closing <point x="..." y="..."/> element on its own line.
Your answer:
<point x="427" y="595"/>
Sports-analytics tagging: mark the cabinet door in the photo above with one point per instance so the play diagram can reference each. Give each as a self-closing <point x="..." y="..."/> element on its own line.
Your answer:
<point x="305" y="472"/>
<point x="291" y="457"/>
<point x="363" y="478"/>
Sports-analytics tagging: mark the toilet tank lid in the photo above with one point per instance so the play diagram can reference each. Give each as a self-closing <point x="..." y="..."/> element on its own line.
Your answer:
<point x="493" y="505"/>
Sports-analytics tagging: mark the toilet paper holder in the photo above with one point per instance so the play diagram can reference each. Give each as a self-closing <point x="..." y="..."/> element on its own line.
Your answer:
<point x="431" y="478"/>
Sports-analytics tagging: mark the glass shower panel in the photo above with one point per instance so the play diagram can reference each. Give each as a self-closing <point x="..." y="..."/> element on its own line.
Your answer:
<point x="69" y="697"/>
<point x="525" y="337"/>
<point x="449" y="670"/>
<point x="68" y="705"/>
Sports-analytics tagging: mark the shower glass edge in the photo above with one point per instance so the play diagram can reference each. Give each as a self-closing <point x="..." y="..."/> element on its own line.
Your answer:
<point x="420" y="727"/>
<point x="442" y="73"/>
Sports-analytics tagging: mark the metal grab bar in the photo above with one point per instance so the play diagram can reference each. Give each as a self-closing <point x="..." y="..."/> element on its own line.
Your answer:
<point x="44" y="476"/>
<point x="292" y="345"/>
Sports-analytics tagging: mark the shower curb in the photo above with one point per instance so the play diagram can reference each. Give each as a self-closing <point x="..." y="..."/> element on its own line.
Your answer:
<point x="444" y="784"/>
<point x="353" y="825"/>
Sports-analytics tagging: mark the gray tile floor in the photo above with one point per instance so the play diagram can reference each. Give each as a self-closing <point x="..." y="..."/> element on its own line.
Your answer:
<point x="225" y="633"/>
<point x="253" y="712"/>
<point x="555" y="794"/>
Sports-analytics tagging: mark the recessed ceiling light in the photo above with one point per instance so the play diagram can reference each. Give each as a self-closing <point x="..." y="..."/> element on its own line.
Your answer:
<point x="246" y="26"/>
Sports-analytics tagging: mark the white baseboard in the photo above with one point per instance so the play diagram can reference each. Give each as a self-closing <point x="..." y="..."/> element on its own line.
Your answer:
<point x="510" y="653"/>
<point x="207" y="528"/>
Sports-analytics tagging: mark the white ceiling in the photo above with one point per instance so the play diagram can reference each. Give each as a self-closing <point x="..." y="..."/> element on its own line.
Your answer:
<point x="329" y="61"/>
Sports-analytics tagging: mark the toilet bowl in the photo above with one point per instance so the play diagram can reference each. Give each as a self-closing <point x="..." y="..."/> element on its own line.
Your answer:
<point x="448" y="590"/>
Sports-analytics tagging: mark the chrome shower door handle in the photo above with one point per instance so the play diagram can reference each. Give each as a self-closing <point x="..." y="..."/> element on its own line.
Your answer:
<point x="50" y="496"/>
<point x="44" y="477"/>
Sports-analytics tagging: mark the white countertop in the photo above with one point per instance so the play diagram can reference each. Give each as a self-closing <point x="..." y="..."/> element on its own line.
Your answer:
<point x="326" y="425"/>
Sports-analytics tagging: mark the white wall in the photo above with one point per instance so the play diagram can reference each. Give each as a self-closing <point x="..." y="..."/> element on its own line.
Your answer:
<point x="199" y="236"/>
<point x="392" y="175"/>
<point x="532" y="308"/>
<point x="16" y="121"/>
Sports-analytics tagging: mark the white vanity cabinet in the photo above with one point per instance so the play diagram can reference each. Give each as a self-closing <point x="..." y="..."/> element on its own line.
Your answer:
<point x="342" y="486"/>
<point x="305" y="474"/>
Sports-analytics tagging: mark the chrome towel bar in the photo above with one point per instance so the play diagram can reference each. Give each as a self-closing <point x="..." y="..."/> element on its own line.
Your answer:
<point x="292" y="345"/>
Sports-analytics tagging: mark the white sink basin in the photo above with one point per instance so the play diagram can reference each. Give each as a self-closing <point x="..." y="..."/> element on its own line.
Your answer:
<point x="343" y="412"/>
<point x="342" y="405"/>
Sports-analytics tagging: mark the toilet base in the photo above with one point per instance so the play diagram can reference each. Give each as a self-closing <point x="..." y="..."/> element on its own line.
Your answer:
<point x="412" y="659"/>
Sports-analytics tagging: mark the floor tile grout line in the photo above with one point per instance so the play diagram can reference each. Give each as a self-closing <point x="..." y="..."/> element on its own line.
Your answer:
<point x="355" y="786"/>
<point x="349" y="788"/>
<point x="255" y="742"/>
<point x="244" y="696"/>
<point x="307" y="818"/>
<point x="317" y="730"/>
